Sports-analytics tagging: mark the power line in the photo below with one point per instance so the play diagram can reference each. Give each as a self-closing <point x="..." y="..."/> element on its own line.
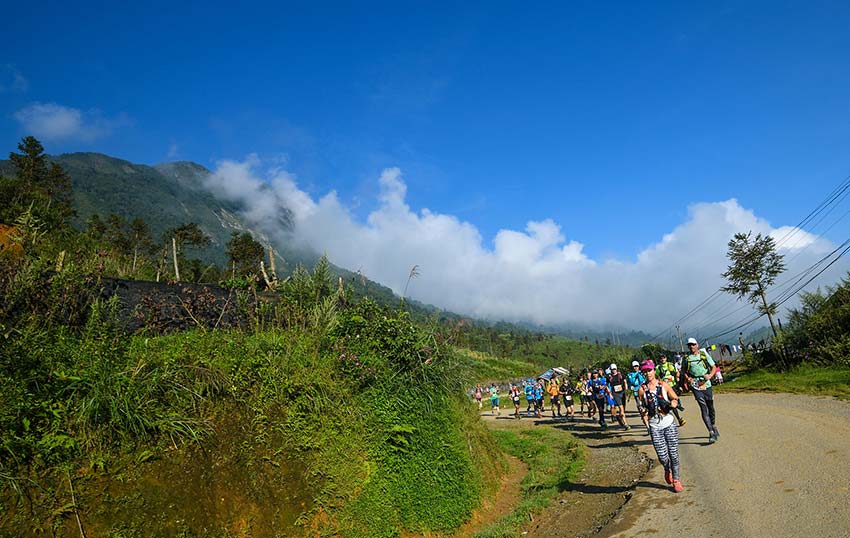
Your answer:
<point x="846" y="247"/>
<point x="828" y="204"/>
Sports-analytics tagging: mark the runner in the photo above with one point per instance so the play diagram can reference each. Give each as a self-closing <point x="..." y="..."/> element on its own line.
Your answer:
<point x="609" y="401"/>
<point x="588" y="395"/>
<point x="618" y="392"/>
<point x="599" y="389"/>
<point x="634" y="380"/>
<point x="659" y="399"/>
<point x="579" y="389"/>
<point x="529" y="394"/>
<point x="515" y="397"/>
<point x="680" y="386"/>
<point x="666" y="372"/>
<point x="566" y="391"/>
<point x="554" y="396"/>
<point x="478" y="394"/>
<point x="538" y="399"/>
<point x="494" y="399"/>
<point x="698" y="368"/>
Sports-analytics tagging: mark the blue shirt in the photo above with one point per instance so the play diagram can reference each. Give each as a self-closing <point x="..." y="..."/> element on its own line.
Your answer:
<point x="635" y="380"/>
<point x="598" y="387"/>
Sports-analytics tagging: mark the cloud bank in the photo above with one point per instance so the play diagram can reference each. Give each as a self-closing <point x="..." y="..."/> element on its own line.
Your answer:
<point x="51" y="121"/>
<point x="537" y="274"/>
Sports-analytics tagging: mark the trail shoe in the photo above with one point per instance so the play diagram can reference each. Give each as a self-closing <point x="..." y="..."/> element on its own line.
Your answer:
<point x="668" y="476"/>
<point x="712" y="438"/>
<point x="716" y="433"/>
<point x="682" y="422"/>
<point x="677" y="486"/>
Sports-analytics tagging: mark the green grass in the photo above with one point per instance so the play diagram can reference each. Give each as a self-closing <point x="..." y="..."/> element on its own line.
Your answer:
<point x="804" y="379"/>
<point x="554" y="458"/>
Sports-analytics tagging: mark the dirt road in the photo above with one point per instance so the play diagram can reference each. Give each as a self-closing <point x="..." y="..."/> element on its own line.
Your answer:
<point x="780" y="468"/>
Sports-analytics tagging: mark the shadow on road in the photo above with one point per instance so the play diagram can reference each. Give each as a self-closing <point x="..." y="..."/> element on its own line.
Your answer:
<point x="590" y="489"/>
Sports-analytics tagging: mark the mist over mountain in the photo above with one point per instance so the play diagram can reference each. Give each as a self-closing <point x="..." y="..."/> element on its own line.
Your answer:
<point x="535" y="277"/>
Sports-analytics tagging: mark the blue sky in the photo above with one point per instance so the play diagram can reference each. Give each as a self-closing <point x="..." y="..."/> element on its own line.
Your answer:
<point x="608" y="119"/>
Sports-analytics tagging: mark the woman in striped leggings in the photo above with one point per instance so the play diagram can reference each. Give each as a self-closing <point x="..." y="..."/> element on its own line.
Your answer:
<point x="659" y="399"/>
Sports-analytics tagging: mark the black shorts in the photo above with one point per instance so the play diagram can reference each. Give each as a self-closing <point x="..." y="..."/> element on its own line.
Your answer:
<point x="620" y="398"/>
<point x="568" y="401"/>
<point x="556" y="399"/>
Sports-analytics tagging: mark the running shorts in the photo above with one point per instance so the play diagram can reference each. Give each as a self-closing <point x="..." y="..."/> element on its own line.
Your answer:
<point x="619" y="398"/>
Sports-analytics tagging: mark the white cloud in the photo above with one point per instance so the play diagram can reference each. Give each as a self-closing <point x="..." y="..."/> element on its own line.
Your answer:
<point x="12" y="80"/>
<point x="534" y="274"/>
<point x="51" y="121"/>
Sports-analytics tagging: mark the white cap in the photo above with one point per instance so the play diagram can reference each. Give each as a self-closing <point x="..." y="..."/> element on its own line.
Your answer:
<point x="613" y="366"/>
<point x="693" y="341"/>
<point x="635" y="363"/>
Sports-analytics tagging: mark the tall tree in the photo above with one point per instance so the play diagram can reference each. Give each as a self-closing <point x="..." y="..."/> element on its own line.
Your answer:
<point x="189" y="234"/>
<point x="754" y="268"/>
<point x="244" y="253"/>
<point x="117" y="233"/>
<point x="141" y="239"/>
<point x="95" y="228"/>
<point x="38" y="183"/>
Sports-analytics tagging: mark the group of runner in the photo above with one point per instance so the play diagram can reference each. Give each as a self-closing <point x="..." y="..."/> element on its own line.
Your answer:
<point x="655" y="389"/>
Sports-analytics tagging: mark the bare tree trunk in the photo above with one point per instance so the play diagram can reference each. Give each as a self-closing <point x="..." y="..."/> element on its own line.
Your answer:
<point x="272" y="264"/>
<point x="767" y="311"/>
<point x="174" y="255"/>
<point x="135" y="257"/>
<point x="269" y="284"/>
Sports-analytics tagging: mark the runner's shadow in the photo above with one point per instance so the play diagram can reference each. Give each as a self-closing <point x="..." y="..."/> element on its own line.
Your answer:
<point x="626" y="443"/>
<point x="700" y="441"/>
<point x="590" y="489"/>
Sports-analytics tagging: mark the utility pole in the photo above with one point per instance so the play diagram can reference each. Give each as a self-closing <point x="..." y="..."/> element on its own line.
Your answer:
<point x="681" y="344"/>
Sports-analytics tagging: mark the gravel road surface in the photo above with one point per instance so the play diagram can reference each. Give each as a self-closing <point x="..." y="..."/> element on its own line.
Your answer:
<point x="781" y="468"/>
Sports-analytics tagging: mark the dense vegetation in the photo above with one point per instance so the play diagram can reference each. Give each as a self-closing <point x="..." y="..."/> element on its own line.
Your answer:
<point x="818" y="332"/>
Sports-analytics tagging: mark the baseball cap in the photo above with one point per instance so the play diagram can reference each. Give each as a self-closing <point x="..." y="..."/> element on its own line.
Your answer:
<point x="647" y="365"/>
<point x="635" y="363"/>
<point x="613" y="366"/>
<point x="693" y="341"/>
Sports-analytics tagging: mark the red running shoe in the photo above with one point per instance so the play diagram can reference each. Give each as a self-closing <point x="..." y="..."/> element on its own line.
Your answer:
<point x="677" y="486"/>
<point x="668" y="476"/>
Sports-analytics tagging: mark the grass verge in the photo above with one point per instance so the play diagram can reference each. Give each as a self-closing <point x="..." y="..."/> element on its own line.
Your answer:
<point x="554" y="458"/>
<point x="814" y="380"/>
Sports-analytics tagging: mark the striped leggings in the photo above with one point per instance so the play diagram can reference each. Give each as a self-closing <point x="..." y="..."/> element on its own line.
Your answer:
<point x="666" y="443"/>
